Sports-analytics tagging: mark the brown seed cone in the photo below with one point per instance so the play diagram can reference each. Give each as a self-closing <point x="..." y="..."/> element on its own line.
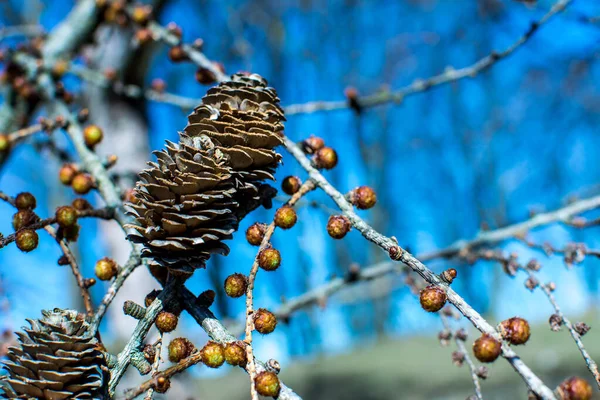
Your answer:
<point x="193" y="198"/>
<point x="57" y="359"/>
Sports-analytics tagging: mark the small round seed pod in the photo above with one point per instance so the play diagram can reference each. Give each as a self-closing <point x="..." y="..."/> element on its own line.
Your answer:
<point x="267" y="384"/>
<point x="23" y="218"/>
<point x="162" y="384"/>
<point x="27" y="240"/>
<point x="515" y="330"/>
<point x="235" y="353"/>
<point x="82" y="183"/>
<point x="205" y="76"/>
<point x="25" y="201"/>
<point x="575" y="388"/>
<point x="269" y="259"/>
<point x="338" y="226"/>
<point x="291" y="184"/>
<point x="106" y="269"/>
<point x="4" y="143"/>
<point x="433" y="298"/>
<point x="312" y="144"/>
<point x="81" y="204"/>
<point x="179" y="349"/>
<point x="150" y="297"/>
<point x="325" y="158"/>
<point x="92" y="135"/>
<point x="255" y="233"/>
<point x="285" y="217"/>
<point x="236" y="285"/>
<point x="177" y="54"/>
<point x="487" y="349"/>
<point x="66" y="216"/>
<point x="363" y="197"/>
<point x="166" y="322"/>
<point x="67" y="173"/>
<point x="264" y="321"/>
<point x="213" y="354"/>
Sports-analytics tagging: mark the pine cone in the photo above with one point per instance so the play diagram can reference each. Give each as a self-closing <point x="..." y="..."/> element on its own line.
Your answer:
<point x="56" y="360"/>
<point x="195" y="195"/>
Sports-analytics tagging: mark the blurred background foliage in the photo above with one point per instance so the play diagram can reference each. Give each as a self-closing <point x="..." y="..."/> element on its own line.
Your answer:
<point x="520" y="137"/>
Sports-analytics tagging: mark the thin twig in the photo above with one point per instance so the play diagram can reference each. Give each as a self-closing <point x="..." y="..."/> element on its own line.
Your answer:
<point x="155" y="365"/>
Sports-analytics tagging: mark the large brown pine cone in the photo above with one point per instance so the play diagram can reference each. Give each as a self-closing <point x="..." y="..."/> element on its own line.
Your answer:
<point x="195" y="195"/>
<point x="57" y="359"/>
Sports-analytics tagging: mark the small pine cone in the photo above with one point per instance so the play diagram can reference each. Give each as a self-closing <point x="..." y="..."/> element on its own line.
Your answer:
<point x="515" y="330"/>
<point x="57" y="359"/>
<point x="582" y="328"/>
<point x="338" y="226"/>
<point x="193" y="198"/>
<point x="487" y="349"/>
<point x="235" y="353"/>
<point x="433" y="298"/>
<point x="179" y="348"/>
<point x="213" y="354"/>
<point x="25" y="201"/>
<point x="574" y="388"/>
<point x="269" y="259"/>
<point x="264" y="321"/>
<point x="255" y="233"/>
<point x="236" y="285"/>
<point x="267" y="384"/>
<point x="166" y="322"/>
<point x="285" y="217"/>
<point x="291" y="184"/>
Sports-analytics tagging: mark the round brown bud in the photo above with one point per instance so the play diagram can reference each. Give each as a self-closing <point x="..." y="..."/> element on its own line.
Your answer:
<point x="363" y="197"/>
<point x="174" y="29"/>
<point x="4" y="143"/>
<point x="312" y="144"/>
<point x="264" y="321"/>
<point x="213" y="354"/>
<point x="179" y="349"/>
<point x="291" y="185"/>
<point x="255" y="233"/>
<point x="338" y="226"/>
<point x="66" y="216"/>
<point x="27" y="240"/>
<point x="81" y="204"/>
<point x="166" y="322"/>
<point x="67" y="173"/>
<point x="236" y="285"/>
<point x="176" y="54"/>
<point x="486" y="349"/>
<point x="25" y="201"/>
<point x="449" y="275"/>
<point x="433" y="298"/>
<point x="162" y="384"/>
<point x="92" y="135"/>
<point x="23" y="218"/>
<point x="515" y="330"/>
<point x="205" y="76"/>
<point x="206" y="298"/>
<point x="150" y="297"/>
<point x="143" y="35"/>
<point x="235" y="353"/>
<point x="325" y="158"/>
<point x="395" y="253"/>
<point x="82" y="183"/>
<point x="267" y="384"/>
<point x="106" y="269"/>
<point x="575" y="388"/>
<point x="285" y="217"/>
<point x="269" y="259"/>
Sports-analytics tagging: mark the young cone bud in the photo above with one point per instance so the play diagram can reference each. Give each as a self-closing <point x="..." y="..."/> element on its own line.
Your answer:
<point x="433" y="298"/>
<point x="67" y="173"/>
<point x="27" y="240"/>
<point x="325" y="158"/>
<point x="515" y="330"/>
<point x="269" y="259"/>
<point x="82" y="183"/>
<point x="106" y="269"/>
<point x="338" y="226"/>
<point x="486" y="349"/>
<point x="264" y="321"/>
<point x="25" y="201"/>
<point x="363" y="197"/>
<point x="179" y="349"/>
<point x="81" y="204"/>
<point x="575" y="388"/>
<point x="291" y="185"/>
<point x="162" y="384"/>
<point x="313" y="144"/>
<point x="213" y="354"/>
<point x="235" y="354"/>
<point x="267" y="384"/>
<point x="150" y="297"/>
<point x="92" y="135"/>
<point x="255" y="233"/>
<point x="285" y="217"/>
<point x="23" y="218"/>
<point x="66" y="216"/>
<point x="236" y="285"/>
<point x="166" y="322"/>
